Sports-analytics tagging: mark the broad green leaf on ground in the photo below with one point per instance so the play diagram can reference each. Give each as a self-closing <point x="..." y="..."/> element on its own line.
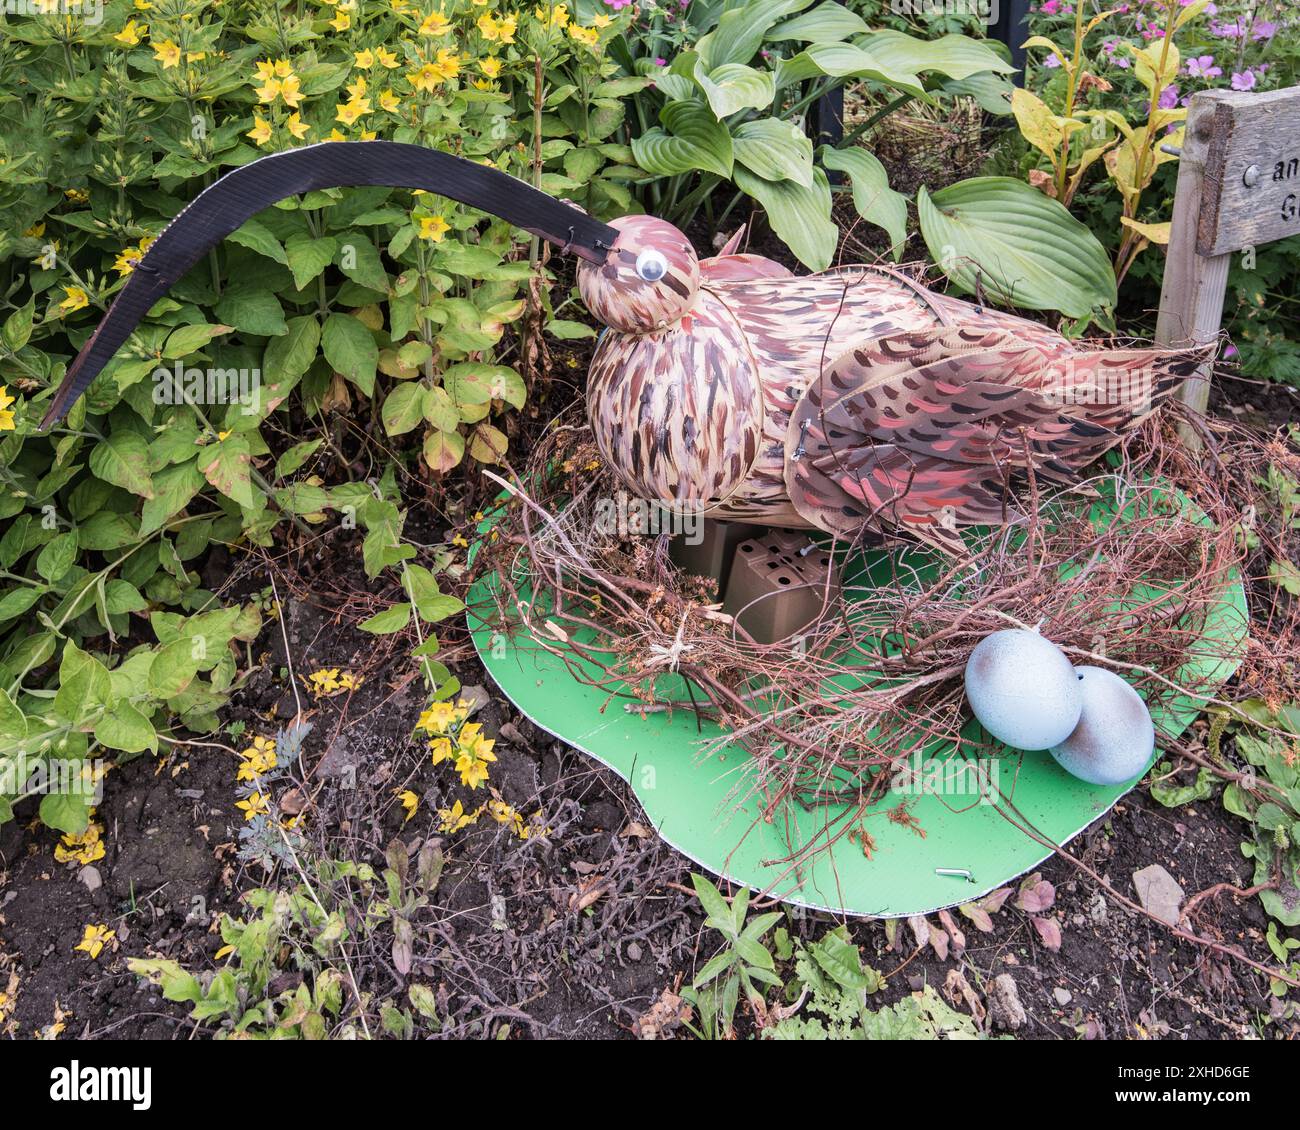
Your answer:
<point x="124" y="727"/>
<point x="774" y="150"/>
<point x="875" y="201"/>
<point x="800" y="216"/>
<point x="1021" y="247"/>
<point x="390" y="620"/>
<point x="691" y="139"/>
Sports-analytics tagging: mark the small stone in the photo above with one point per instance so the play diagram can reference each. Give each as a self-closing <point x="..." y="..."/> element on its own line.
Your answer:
<point x="633" y="951"/>
<point x="476" y="696"/>
<point x="1097" y="911"/>
<point x="90" y="877"/>
<point x="1005" y="1008"/>
<point x="1159" y="894"/>
<point x="1063" y="996"/>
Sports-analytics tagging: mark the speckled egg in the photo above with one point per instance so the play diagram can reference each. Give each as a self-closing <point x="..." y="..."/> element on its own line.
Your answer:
<point x="1115" y="738"/>
<point x="1023" y="689"/>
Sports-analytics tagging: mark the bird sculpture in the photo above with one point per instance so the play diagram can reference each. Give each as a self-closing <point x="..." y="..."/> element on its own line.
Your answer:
<point x="856" y="401"/>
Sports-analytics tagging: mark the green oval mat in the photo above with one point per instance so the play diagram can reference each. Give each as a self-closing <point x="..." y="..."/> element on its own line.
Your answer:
<point x="697" y="804"/>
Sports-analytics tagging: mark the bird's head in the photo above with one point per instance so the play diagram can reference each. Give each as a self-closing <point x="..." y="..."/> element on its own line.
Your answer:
<point x="648" y="281"/>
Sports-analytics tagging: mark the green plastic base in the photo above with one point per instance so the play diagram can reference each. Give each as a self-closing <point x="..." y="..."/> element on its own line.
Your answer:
<point x="696" y="803"/>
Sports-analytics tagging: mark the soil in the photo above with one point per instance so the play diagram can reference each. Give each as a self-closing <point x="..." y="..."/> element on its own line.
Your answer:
<point x="575" y="933"/>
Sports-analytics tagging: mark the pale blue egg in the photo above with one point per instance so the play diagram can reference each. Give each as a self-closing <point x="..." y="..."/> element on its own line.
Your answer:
<point x="1023" y="689"/>
<point x="1115" y="739"/>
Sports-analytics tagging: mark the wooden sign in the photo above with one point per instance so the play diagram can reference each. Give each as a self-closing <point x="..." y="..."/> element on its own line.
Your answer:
<point x="1238" y="187"/>
<point x="1252" y="171"/>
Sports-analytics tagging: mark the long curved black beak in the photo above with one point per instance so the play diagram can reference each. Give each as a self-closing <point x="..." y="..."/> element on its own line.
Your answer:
<point x="242" y="193"/>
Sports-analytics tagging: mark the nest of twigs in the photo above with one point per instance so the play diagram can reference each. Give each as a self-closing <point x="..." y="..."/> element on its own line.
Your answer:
<point x="878" y="678"/>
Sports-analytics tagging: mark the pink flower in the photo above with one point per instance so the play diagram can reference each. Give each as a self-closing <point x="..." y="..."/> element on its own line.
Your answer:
<point x="1203" y="67"/>
<point x="1051" y="7"/>
<point x="1169" y="97"/>
<point x="1051" y="62"/>
<point x="1244" y="80"/>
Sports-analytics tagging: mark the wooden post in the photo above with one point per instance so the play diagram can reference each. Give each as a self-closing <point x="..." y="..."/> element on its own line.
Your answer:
<point x="1195" y="285"/>
<point x="1238" y="187"/>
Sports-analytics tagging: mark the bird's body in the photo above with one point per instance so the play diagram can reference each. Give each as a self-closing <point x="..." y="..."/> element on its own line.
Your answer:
<point x="851" y="401"/>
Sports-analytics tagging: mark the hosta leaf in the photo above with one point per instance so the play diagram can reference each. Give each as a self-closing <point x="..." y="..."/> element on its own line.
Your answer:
<point x="692" y="140"/>
<point x="875" y="201"/>
<point x="844" y="60"/>
<point x="957" y="56"/>
<point x="774" y="150"/>
<point x="829" y="22"/>
<point x="800" y="216"/>
<point x="741" y="29"/>
<point x="1021" y="247"/>
<point x="733" y="87"/>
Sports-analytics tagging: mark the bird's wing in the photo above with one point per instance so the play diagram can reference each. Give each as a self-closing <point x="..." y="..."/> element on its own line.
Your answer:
<point x="741" y="268"/>
<point x="240" y="194"/>
<point x="922" y="431"/>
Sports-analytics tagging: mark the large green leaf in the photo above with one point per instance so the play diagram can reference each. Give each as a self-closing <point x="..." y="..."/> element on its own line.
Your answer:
<point x="692" y="139"/>
<point x="875" y="201"/>
<point x="741" y="29"/>
<point x="733" y="87"/>
<point x="123" y="460"/>
<point x="350" y="347"/>
<point x="1023" y="248"/>
<point x="957" y="56"/>
<point x="800" y="216"/>
<point x="829" y="22"/>
<point x="774" y="150"/>
<point x="844" y="60"/>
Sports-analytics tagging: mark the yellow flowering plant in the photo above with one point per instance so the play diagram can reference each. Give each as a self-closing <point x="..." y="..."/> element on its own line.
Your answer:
<point x="387" y="304"/>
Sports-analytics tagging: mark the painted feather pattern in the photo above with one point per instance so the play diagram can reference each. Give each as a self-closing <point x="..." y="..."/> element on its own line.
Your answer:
<point x="857" y="401"/>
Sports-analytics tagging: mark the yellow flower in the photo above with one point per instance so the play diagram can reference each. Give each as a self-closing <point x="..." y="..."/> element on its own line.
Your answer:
<point x="364" y="59"/>
<point x="83" y="849"/>
<point x="439" y="718"/>
<point x="167" y="53"/>
<point x="497" y="30"/>
<point x="75" y="298"/>
<point x="435" y="24"/>
<point x="257" y="759"/>
<point x="410" y="802"/>
<point x="6" y="413"/>
<point x="94" y="940"/>
<point x="143" y="6"/>
<point x="130" y="35"/>
<point x="448" y="62"/>
<point x="427" y="78"/>
<point x="342" y="21"/>
<point x="334" y="135"/>
<point x="433" y="228"/>
<point x="296" y="126"/>
<point x="399" y="6"/>
<point x="386" y="58"/>
<point x="323" y="682"/>
<point x="600" y="20"/>
<point x="455" y="818"/>
<point x="35" y="231"/>
<point x="588" y="36"/>
<point x="261" y="131"/>
<point x="224" y="951"/>
<point x="255" y="805"/>
<point x="367" y="135"/>
<point x="125" y="263"/>
<point x="350" y="112"/>
<point x="491" y="67"/>
<point x="389" y="101"/>
<point x="558" y="17"/>
<point x="290" y="89"/>
<point x="77" y="195"/>
<point x="349" y="681"/>
<point x="441" y="750"/>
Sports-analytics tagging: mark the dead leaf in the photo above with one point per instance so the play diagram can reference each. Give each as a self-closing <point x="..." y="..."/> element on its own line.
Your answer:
<point x="978" y="915"/>
<point x="1049" y="933"/>
<point x="955" y="934"/>
<point x="589" y="890"/>
<point x="920" y="929"/>
<point x="666" y="1014"/>
<point x="994" y="900"/>
<point x="958" y="989"/>
<point x="1036" y="895"/>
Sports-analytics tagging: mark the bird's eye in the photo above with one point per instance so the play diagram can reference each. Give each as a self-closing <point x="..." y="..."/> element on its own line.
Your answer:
<point x="651" y="266"/>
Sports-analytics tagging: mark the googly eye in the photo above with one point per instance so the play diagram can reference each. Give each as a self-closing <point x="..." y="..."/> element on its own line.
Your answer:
<point x="651" y="266"/>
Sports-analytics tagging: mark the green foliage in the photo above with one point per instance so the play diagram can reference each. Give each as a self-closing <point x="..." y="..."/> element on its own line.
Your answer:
<point x="728" y="109"/>
<point x="288" y="972"/>
<point x="823" y="998"/>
